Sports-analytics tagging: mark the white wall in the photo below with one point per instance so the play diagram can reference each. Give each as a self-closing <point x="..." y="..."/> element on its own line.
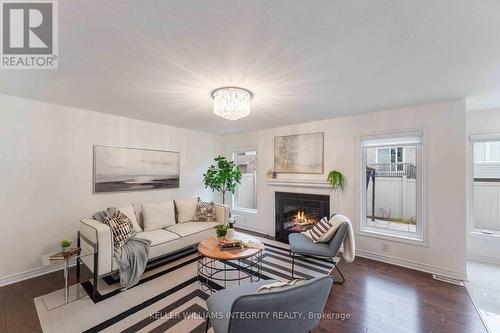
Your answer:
<point x="444" y="155"/>
<point x="482" y="247"/>
<point x="46" y="172"/>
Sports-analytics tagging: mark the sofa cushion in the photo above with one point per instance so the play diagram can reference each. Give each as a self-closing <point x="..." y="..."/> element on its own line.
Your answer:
<point x="158" y="236"/>
<point x="158" y="215"/>
<point x="185" y="209"/>
<point x="189" y="228"/>
<point x="130" y="212"/>
<point x="161" y="249"/>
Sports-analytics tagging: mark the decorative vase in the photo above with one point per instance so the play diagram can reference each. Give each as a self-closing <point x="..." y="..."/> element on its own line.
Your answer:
<point x="230" y="234"/>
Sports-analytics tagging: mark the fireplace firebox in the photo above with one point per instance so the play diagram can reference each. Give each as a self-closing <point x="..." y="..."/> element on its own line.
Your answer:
<point x="297" y="212"/>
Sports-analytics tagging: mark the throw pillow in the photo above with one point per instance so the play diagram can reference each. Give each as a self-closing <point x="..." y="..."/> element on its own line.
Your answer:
<point x="205" y="212"/>
<point x="320" y="229"/>
<point x="335" y="221"/>
<point x="186" y="209"/>
<point x="158" y="215"/>
<point x="130" y="212"/>
<point x="121" y="228"/>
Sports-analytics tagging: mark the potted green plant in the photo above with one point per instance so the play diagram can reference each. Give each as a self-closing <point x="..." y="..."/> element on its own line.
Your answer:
<point x="337" y="182"/>
<point x="221" y="231"/>
<point x="65" y="245"/>
<point x="222" y="177"/>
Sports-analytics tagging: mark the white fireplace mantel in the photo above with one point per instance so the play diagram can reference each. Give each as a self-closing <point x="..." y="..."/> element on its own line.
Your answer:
<point x="298" y="183"/>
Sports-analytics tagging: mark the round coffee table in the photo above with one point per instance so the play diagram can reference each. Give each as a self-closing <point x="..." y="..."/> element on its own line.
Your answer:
<point x="216" y="267"/>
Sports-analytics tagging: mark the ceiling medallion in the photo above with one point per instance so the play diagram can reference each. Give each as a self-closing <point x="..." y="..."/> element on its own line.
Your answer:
<point x="231" y="102"/>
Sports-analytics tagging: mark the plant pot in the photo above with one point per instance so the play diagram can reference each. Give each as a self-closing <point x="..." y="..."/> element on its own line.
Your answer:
<point x="66" y="249"/>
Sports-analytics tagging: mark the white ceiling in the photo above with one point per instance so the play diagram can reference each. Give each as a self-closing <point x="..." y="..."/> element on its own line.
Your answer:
<point x="303" y="60"/>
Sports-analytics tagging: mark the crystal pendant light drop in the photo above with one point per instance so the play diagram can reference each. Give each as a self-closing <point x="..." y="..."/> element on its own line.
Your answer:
<point x="231" y="102"/>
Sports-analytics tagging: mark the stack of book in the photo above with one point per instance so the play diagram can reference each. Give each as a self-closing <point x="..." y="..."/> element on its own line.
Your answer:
<point x="61" y="255"/>
<point x="225" y="245"/>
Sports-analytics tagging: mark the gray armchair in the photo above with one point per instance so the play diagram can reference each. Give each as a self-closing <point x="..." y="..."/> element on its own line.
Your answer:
<point x="308" y="298"/>
<point x="301" y="245"/>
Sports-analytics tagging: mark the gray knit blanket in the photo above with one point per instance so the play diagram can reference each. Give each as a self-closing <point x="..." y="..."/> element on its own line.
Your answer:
<point x="132" y="257"/>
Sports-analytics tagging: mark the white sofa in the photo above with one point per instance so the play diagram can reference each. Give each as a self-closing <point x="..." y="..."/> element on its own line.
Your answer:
<point x="96" y="237"/>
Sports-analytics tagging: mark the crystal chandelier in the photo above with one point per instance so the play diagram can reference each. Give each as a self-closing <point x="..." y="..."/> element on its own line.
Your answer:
<point x="231" y="102"/>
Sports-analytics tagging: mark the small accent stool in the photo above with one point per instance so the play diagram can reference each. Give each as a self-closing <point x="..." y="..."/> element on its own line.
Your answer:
<point x="301" y="245"/>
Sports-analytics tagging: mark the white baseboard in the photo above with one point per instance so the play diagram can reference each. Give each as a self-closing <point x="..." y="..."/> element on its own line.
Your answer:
<point x="411" y="264"/>
<point x="29" y="274"/>
<point x="489" y="260"/>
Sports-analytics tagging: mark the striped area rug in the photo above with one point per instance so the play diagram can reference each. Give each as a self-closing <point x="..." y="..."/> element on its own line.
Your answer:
<point x="169" y="297"/>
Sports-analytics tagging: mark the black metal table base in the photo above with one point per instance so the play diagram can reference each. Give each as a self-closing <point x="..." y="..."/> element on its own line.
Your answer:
<point x="224" y="273"/>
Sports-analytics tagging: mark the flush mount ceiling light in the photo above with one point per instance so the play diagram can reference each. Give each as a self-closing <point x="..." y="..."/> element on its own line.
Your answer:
<point x="231" y="102"/>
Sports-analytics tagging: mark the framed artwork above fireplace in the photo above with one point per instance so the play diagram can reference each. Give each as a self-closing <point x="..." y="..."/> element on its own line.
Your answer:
<point x="300" y="153"/>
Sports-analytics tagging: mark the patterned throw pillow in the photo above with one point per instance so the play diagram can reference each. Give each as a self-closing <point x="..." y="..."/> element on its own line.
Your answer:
<point x="320" y="228"/>
<point x="205" y="212"/>
<point x="121" y="228"/>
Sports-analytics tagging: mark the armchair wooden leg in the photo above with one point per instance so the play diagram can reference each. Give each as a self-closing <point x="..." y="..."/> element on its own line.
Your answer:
<point x="293" y="263"/>
<point x="338" y="270"/>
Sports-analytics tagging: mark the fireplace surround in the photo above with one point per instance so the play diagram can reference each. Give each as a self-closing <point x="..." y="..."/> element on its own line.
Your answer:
<point x="297" y="212"/>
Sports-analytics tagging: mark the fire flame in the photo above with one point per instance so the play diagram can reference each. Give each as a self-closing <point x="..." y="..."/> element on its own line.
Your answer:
<point x="301" y="217"/>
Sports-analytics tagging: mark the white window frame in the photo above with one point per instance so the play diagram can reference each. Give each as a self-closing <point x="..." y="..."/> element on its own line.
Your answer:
<point x="234" y="197"/>
<point x="419" y="238"/>
<point x="487" y="154"/>
<point x="403" y="157"/>
<point x="472" y="229"/>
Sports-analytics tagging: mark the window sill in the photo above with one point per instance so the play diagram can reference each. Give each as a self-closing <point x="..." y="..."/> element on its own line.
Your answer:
<point x="480" y="234"/>
<point x="243" y="211"/>
<point x="393" y="236"/>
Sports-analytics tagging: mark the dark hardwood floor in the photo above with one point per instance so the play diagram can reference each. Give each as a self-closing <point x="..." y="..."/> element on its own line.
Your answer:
<point x="378" y="297"/>
<point x="17" y="309"/>
<point x="385" y="298"/>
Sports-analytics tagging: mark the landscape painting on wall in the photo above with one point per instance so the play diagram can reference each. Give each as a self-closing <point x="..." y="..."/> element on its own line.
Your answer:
<point x="131" y="169"/>
<point x="302" y="153"/>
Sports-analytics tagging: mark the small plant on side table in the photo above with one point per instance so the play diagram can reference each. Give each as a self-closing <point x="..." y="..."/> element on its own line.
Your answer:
<point x="221" y="230"/>
<point x="65" y="245"/>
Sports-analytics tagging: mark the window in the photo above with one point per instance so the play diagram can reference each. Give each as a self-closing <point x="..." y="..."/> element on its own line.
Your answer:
<point x="487" y="152"/>
<point x="486" y="188"/>
<point x="391" y="187"/>
<point x="245" y="196"/>
<point x="390" y="158"/>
